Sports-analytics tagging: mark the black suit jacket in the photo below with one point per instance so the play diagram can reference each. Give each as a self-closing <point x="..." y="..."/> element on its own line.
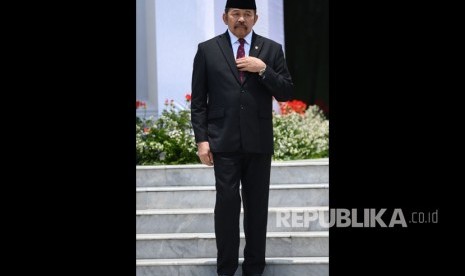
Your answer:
<point x="229" y="115"/>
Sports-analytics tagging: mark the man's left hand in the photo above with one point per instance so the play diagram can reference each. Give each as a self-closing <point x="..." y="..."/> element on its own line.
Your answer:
<point x="250" y="64"/>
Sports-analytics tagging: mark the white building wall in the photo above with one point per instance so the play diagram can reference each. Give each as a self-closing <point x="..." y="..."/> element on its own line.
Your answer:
<point x="168" y="33"/>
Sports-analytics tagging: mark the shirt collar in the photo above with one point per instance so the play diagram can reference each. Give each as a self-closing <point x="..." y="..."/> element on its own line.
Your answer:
<point x="234" y="39"/>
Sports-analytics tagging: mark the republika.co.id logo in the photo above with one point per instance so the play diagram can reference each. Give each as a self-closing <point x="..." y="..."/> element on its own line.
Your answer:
<point x="312" y="218"/>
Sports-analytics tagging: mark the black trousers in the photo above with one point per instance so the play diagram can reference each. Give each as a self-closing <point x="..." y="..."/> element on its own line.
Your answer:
<point x="253" y="172"/>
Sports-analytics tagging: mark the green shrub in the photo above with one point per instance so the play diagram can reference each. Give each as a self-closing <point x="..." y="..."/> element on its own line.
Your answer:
<point x="170" y="138"/>
<point x="301" y="136"/>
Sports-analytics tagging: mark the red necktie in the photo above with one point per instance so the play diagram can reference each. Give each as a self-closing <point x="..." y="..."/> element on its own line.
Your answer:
<point x="241" y="54"/>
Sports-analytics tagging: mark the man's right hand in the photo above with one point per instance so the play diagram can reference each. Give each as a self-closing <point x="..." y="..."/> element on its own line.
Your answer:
<point x="204" y="153"/>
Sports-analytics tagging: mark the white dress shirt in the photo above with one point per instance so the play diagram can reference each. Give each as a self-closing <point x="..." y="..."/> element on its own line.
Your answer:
<point x="235" y="43"/>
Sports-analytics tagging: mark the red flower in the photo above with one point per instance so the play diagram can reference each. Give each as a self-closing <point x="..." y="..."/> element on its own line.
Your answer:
<point x="140" y="104"/>
<point x="188" y="97"/>
<point x="294" y="105"/>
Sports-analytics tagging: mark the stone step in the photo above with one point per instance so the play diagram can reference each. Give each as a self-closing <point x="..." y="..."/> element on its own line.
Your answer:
<point x="289" y="195"/>
<point x="284" y="172"/>
<point x="278" y="266"/>
<point x="203" y="245"/>
<point x="280" y="219"/>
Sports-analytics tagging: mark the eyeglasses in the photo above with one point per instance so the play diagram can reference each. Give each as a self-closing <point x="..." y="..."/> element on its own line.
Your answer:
<point x="246" y="15"/>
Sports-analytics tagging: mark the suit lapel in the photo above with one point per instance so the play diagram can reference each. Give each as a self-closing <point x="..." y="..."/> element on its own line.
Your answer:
<point x="255" y="49"/>
<point x="224" y="42"/>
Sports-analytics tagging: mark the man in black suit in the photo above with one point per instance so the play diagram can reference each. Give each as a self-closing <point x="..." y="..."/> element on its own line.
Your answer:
<point x="234" y="78"/>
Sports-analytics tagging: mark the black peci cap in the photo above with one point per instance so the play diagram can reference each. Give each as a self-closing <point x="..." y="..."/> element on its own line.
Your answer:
<point x="241" y="4"/>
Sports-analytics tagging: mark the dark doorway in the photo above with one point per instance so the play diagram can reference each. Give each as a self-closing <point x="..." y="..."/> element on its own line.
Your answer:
<point x="306" y="29"/>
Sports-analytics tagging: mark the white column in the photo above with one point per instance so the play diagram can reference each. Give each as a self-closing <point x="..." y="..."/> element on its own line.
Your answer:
<point x="275" y="22"/>
<point x="181" y="26"/>
<point x="146" y="59"/>
<point x="220" y="27"/>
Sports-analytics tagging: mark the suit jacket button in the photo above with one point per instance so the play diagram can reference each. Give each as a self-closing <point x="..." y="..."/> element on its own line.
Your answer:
<point x="242" y="107"/>
<point x="242" y="91"/>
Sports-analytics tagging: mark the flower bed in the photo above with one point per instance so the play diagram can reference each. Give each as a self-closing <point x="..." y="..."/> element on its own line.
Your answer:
<point x="299" y="133"/>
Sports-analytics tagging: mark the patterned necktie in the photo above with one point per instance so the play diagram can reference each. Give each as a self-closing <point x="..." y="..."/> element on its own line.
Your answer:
<point x="241" y="54"/>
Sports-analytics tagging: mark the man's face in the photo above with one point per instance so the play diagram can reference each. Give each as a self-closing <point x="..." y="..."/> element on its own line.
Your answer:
<point x="240" y="22"/>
